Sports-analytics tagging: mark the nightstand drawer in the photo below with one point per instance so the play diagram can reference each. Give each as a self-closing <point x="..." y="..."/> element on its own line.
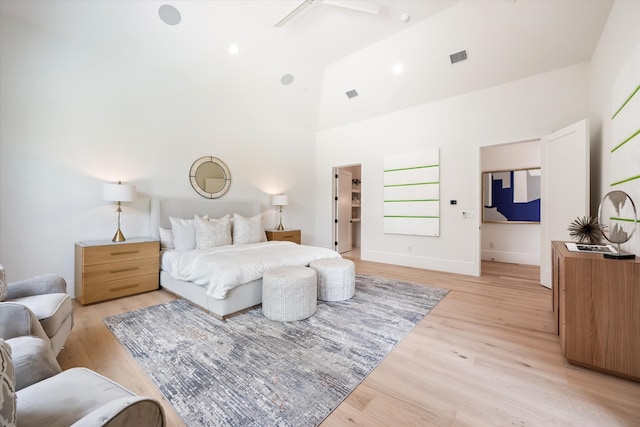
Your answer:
<point x="284" y="235"/>
<point x="119" y="288"/>
<point x="97" y="273"/>
<point x="119" y="252"/>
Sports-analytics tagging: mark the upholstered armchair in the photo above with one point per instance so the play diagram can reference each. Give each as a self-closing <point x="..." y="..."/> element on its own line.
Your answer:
<point x="46" y="296"/>
<point x="36" y="393"/>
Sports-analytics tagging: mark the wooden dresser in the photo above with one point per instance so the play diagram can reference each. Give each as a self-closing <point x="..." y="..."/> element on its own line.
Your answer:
<point x="106" y="270"/>
<point x="596" y="305"/>
<point x="286" y="235"/>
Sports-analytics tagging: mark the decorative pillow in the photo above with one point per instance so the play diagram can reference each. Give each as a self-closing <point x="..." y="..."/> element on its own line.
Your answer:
<point x="7" y="387"/>
<point x="212" y="232"/>
<point x="184" y="234"/>
<point x="166" y="238"/>
<point x="247" y="230"/>
<point x="3" y="285"/>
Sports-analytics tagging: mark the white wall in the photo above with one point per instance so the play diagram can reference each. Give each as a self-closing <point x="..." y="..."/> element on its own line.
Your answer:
<point x="521" y="110"/>
<point x="516" y="243"/>
<point x="72" y="118"/>
<point x="619" y="44"/>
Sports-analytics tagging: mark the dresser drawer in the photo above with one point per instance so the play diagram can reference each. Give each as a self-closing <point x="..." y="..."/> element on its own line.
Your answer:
<point x="115" y="253"/>
<point x="103" y="291"/>
<point x="97" y="273"/>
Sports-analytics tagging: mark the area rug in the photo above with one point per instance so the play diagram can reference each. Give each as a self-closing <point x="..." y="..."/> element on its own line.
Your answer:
<point x="251" y="371"/>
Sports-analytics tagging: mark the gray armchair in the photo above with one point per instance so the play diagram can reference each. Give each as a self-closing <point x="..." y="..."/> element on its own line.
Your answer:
<point x="46" y="296"/>
<point x="32" y="353"/>
<point x="39" y="394"/>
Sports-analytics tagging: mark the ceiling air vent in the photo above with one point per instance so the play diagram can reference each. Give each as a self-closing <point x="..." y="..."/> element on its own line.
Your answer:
<point x="458" y="56"/>
<point x="352" y="93"/>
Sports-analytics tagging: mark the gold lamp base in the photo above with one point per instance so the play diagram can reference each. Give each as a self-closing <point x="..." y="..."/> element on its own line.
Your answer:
<point x="280" y="227"/>
<point x="119" y="237"/>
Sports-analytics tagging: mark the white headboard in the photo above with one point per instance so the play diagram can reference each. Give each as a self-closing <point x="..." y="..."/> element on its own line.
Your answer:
<point x="162" y="209"/>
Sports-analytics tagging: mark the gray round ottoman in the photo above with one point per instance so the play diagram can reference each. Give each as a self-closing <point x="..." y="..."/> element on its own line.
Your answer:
<point x="336" y="278"/>
<point x="289" y="293"/>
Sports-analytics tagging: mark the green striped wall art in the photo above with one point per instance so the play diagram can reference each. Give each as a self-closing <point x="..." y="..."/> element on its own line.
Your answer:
<point x="625" y="139"/>
<point x="412" y="193"/>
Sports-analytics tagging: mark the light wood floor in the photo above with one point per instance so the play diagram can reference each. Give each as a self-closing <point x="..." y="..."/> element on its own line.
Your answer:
<point x="486" y="355"/>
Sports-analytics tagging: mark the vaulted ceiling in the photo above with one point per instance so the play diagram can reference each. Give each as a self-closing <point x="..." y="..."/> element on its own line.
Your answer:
<point x="328" y="50"/>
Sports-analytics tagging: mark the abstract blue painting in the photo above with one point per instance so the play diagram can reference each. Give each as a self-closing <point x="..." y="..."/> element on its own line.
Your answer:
<point x="511" y="196"/>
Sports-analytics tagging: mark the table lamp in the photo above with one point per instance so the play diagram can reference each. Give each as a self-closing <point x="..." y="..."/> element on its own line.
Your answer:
<point x="118" y="193"/>
<point x="280" y="200"/>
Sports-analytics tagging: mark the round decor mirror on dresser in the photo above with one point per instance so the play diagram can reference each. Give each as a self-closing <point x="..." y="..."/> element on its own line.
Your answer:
<point x="618" y="217"/>
<point x="210" y="177"/>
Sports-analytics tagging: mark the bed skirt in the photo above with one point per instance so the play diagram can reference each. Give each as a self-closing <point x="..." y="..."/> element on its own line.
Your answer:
<point x="239" y="299"/>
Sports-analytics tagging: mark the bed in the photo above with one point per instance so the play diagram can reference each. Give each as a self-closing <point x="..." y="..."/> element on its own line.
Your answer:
<point x="193" y="274"/>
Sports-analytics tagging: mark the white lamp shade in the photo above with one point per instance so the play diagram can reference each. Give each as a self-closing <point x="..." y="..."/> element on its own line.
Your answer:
<point x="118" y="192"/>
<point x="279" y="200"/>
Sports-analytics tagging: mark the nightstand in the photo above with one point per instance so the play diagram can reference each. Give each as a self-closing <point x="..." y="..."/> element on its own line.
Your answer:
<point x="284" y="235"/>
<point x="106" y="270"/>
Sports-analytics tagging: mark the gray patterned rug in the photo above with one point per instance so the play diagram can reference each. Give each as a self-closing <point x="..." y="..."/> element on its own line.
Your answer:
<point x="251" y="371"/>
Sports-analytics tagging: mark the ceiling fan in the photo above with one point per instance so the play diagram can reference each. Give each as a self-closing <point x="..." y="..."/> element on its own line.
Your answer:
<point x="359" y="5"/>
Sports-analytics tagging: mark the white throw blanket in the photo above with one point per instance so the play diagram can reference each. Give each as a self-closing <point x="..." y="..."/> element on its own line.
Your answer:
<point x="226" y="267"/>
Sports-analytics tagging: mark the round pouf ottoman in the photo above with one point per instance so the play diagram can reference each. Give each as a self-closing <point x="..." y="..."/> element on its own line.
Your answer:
<point x="336" y="278"/>
<point x="289" y="293"/>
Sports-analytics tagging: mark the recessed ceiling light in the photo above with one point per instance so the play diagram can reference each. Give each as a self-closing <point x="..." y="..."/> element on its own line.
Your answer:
<point x="169" y="14"/>
<point x="234" y="49"/>
<point x="287" y="79"/>
<point x="397" y="69"/>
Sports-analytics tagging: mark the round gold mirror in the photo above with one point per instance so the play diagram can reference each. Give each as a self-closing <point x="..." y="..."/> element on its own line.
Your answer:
<point x="210" y="177"/>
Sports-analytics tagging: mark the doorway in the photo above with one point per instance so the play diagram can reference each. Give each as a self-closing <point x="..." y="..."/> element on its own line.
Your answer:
<point x="563" y="157"/>
<point x="347" y="210"/>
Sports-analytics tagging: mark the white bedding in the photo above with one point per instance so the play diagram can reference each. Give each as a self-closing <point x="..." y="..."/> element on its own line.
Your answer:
<point x="225" y="267"/>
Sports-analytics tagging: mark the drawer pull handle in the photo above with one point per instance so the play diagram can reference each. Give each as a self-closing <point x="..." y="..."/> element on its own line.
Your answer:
<point x="122" y="270"/>
<point x="120" y="288"/>
<point x="124" y="252"/>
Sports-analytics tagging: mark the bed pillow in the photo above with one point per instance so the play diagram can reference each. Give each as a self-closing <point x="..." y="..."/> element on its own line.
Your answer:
<point x="211" y="233"/>
<point x="247" y="230"/>
<point x="184" y="234"/>
<point x="166" y="238"/>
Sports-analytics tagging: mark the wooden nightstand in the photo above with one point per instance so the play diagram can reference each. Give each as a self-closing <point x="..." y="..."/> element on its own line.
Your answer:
<point x="286" y="235"/>
<point x="106" y="270"/>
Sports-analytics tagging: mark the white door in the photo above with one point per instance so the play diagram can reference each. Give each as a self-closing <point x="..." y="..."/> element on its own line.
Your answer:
<point x="343" y="210"/>
<point x="565" y="188"/>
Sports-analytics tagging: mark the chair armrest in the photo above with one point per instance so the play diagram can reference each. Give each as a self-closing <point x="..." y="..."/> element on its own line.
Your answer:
<point x="17" y="320"/>
<point x="139" y="411"/>
<point x="33" y="360"/>
<point x="39" y="285"/>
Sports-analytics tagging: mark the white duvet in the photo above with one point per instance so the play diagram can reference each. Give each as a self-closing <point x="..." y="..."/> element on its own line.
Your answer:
<point x="226" y="267"/>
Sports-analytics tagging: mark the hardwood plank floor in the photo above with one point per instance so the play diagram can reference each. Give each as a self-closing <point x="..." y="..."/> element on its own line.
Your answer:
<point x="486" y="355"/>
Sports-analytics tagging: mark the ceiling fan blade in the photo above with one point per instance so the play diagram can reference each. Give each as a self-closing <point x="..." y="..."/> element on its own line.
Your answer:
<point x="302" y="6"/>
<point x="359" y="5"/>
